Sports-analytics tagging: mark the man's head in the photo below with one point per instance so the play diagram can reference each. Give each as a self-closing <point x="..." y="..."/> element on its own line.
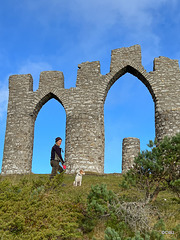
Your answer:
<point x="58" y="141"/>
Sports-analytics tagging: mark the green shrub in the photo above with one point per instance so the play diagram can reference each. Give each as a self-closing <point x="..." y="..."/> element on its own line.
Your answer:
<point x="111" y="234"/>
<point x="98" y="200"/>
<point x="33" y="207"/>
<point x="157" y="169"/>
<point x="33" y="210"/>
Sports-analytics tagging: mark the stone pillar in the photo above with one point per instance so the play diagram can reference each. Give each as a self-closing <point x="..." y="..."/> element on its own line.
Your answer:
<point x="18" y="146"/>
<point x="167" y="123"/>
<point x="167" y="105"/>
<point x="84" y="143"/>
<point x="130" y="149"/>
<point x="85" y="122"/>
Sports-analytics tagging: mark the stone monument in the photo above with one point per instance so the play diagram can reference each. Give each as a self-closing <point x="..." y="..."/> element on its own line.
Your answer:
<point x="84" y="107"/>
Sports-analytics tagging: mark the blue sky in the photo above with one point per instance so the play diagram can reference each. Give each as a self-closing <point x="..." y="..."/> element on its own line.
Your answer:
<point x="58" y="35"/>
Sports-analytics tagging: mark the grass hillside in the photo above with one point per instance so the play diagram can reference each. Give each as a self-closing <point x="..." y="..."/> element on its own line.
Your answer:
<point x="32" y="207"/>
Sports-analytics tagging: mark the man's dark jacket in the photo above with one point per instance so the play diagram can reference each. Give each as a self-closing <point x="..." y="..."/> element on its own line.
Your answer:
<point x="56" y="152"/>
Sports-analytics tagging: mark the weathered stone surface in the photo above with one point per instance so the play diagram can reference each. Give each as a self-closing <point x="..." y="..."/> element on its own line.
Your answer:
<point x="84" y="106"/>
<point x="130" y="150"/>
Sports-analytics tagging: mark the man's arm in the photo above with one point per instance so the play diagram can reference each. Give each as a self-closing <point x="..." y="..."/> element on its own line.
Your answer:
<point x="52" y="153"/>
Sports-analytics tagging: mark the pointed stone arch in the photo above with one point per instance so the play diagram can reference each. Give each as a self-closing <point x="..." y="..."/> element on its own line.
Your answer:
<point x="147" y="88"/>
<point x="140" y="73"/>
<point x="42" y="100"/>
<point x="53" y="111"/>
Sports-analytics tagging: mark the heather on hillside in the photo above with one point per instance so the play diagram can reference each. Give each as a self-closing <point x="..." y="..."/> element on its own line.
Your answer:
<point x="106" y="206"/>
<point x="31" y="207"/>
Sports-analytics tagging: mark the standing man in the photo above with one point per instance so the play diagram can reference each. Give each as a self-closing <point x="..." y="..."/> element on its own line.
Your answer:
<point x="56" y="157"/>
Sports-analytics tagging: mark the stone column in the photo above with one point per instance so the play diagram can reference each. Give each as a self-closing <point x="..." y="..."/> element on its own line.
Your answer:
<point x="166" y="81"/>
<point x="85" y="122"/>
<point x="84" y="143"/>
<point x="18" y="146"/>
<point x="167" y="123"/>
<point x="130" y="149"/>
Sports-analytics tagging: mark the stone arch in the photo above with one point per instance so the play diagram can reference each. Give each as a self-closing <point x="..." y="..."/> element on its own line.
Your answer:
<point x="140" y="73"/>
<point x="44" y="128"/>
<point x="42" y="97"/>
<point x="42" y="100"/>
<point x="149" y="90"/>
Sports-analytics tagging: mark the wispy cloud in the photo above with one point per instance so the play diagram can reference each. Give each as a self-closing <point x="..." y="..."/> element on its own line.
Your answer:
<point x="34" y="68"/>
<point x="97" y="14"/>
<point x="134" y="13"/>
<point x="131" y="21"/>
<point x="95" y="27"/>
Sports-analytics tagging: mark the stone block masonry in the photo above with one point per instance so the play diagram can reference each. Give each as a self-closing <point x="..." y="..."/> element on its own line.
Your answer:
<point x="84" y="107"/>
<point x="130" y="150"/>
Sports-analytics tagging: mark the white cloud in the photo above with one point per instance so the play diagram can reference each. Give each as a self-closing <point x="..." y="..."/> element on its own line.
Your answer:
<point x="34" y="68"/>
<point x="128" y="21"/>
<point x="133" y="13"/>
<point x="93" y="26"/>
<point x="101" y="15"/>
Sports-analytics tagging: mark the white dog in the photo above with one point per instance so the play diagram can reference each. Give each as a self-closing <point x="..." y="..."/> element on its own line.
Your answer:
<point x="78" y="178"/>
